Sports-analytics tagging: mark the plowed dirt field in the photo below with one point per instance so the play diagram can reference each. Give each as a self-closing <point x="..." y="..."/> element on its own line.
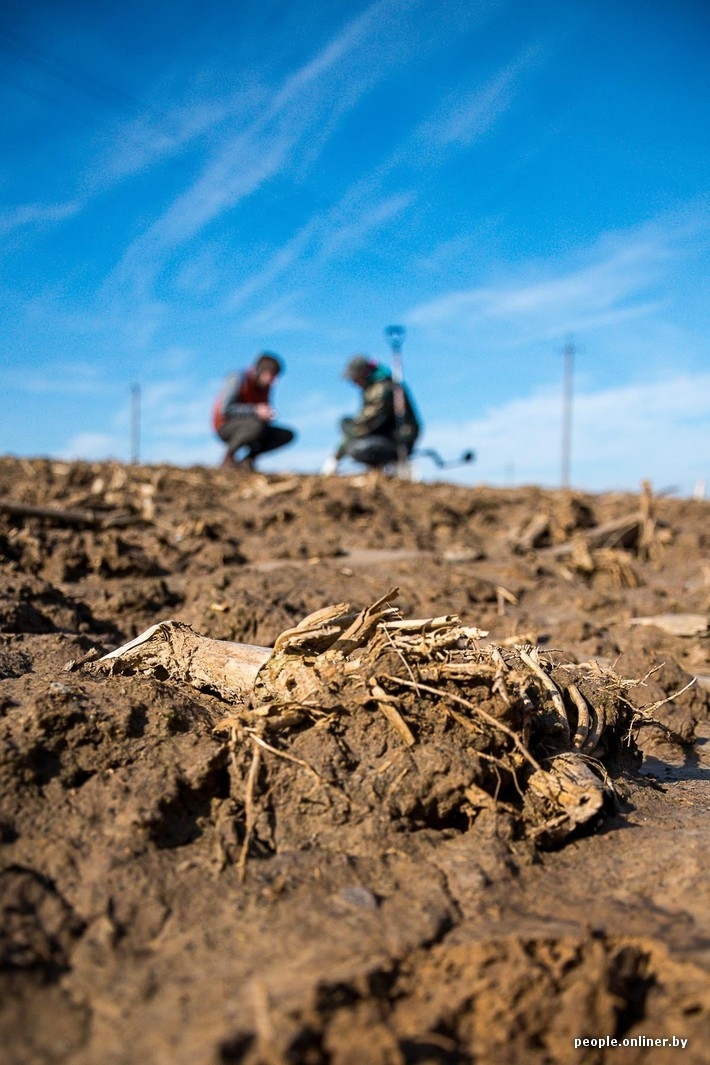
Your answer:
<point x="360" y="874"/>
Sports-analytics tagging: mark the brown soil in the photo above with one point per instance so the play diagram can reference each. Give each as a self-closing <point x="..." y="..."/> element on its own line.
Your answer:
<point x="169" y="898"/>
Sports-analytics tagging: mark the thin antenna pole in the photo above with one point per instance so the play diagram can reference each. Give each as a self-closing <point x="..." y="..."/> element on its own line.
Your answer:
<point x="568" y="353"/>
<point x="135" y="423"/>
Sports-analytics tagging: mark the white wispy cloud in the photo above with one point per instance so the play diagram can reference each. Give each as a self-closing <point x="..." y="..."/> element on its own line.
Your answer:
<point x="621" y="278"/>
<point x="276" y="265"/>
<point x="281" y="315"/>
<point x="256" y="152"/>
<point x="366" y="206"/>
<point x="238" y="170"/>
<point x="33" y="214"/>
<point x="282" y="133"/>
<point x="365" y="222"/>
<point x="154" y="138"/>
<point x="598" y="289"/>
<point x="66" y="378"/>
<point x="469" y="112"/>
<point x="358" y="30"/>
<point x="94" y="447"/>
<point x="346" y="225"/>
<point x="656" y="430"/>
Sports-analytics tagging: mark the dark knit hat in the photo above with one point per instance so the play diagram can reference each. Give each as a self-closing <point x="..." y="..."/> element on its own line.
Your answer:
<point x="358" y="367"/>
<point x="271" y="360"/>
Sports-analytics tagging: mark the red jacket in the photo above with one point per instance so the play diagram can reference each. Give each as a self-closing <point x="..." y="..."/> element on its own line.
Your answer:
<point x="240" y="393"/>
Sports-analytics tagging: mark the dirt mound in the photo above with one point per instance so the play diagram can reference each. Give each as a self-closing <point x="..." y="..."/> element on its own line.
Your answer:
<point x="458" y="822"/>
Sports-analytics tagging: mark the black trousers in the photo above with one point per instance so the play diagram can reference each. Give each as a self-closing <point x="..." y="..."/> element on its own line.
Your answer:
<point x="253" y="433"/>
<point x="373" y="450"/>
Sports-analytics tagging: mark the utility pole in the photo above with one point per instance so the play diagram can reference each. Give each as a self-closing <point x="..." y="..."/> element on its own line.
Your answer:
<point x="135" y="423"/>
<point x="568" y="377"/>
<point x="395" y="336"/>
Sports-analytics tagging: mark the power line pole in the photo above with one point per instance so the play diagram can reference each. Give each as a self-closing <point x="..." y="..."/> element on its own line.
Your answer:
<point x="135" y="423"/>
<point x="567" y="389"/>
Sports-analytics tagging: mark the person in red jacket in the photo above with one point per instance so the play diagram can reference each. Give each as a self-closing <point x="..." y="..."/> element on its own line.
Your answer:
<point x="243" y="416"/>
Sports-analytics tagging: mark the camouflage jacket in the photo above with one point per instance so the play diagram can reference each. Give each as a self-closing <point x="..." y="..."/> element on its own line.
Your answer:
<point x="377" y="415"/>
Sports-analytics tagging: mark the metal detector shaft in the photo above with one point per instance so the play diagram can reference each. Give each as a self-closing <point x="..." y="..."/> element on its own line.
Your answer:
<point x="395" y="335"/>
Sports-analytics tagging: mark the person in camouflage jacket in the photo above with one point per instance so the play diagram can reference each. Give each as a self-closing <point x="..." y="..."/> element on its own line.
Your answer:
<point x="376" y="436"/>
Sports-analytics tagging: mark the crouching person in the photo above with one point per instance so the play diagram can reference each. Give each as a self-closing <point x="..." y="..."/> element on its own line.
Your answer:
<point x="387" y="426"/>
<point x="243" y="416"/>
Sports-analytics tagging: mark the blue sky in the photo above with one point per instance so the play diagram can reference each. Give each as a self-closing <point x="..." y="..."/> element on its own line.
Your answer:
<point x="183" y="185"/>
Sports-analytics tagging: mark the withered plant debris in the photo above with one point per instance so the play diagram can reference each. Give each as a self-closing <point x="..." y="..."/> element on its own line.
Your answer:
<point x="566" y="534"/>
<point x="507" y="726"/>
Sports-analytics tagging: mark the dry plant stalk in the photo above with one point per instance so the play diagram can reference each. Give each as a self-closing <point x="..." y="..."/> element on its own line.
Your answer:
<point x="229" y="669"/>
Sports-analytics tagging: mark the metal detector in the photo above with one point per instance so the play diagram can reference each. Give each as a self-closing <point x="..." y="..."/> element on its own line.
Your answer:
<point x="395" y="336"/>
<point x="445" y="464"/>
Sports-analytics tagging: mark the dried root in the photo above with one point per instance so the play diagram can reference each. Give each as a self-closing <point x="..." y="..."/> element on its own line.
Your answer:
<point x="507" y="722"/>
